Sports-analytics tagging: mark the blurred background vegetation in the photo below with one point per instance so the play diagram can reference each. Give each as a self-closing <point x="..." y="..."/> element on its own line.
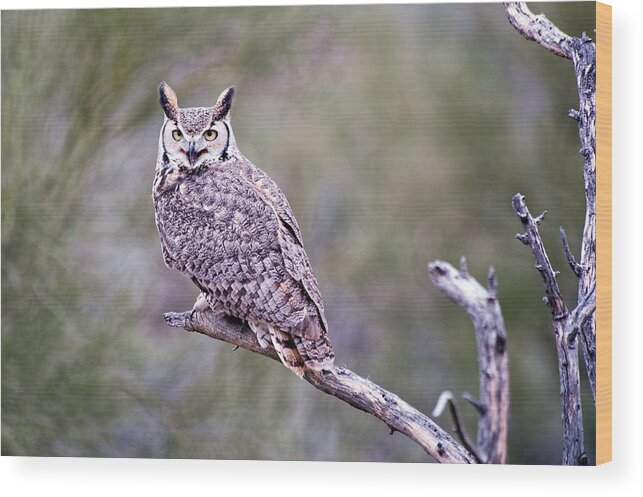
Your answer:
<point x="399" y="134"/>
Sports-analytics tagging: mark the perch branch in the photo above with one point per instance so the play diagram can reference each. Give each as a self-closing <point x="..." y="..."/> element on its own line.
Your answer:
<point x="483" y="308"/>
<point x="573" y="450"/>
<point x="539" y="29"/>
<point x="340" y="382"/>
<point x="446" y="398"/>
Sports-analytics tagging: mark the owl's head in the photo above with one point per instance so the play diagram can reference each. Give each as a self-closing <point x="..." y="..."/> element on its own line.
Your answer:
<point x="194" y="135"/>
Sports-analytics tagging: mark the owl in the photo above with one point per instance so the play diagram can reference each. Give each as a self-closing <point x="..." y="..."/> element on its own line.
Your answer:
<point x="225" y="223"/>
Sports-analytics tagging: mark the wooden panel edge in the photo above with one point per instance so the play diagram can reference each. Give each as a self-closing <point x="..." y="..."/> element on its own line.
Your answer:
<point x="603" y="233"/>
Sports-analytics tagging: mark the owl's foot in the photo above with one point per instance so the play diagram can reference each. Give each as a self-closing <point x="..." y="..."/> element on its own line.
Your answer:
<point x="201" y="305"/>
<point x="262" y="333"/>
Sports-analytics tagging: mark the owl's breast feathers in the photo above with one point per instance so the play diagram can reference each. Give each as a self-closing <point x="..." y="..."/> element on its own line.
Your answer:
<point x="231" y="229"/>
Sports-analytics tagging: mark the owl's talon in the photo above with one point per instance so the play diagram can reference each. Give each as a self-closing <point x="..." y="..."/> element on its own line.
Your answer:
<point x="201" y="305"/>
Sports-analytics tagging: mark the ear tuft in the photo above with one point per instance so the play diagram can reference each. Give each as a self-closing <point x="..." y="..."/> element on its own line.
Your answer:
<point x="224" y="103"/>
<point x="168" y="101"/>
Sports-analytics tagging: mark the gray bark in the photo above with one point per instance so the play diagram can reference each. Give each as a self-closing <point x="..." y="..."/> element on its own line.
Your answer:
<point x="539" y="29"/>
<point x="584" y="57"/>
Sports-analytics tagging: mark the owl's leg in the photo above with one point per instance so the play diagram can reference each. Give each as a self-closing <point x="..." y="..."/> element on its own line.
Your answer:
<point x="263" y="335"/>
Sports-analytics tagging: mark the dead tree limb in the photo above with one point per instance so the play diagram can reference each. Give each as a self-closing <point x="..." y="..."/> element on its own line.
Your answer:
<point x="571" y="260"/>
<point x="584" y="57"/>
<point x="572" y="414"/>
<point x="582" y="52"/>
<point x="340" y="382"/>
<point x="539" y="29"/>
<point x="482" y="306"/>
<point x="584" y="312"/>
<point x="447" y="398"/>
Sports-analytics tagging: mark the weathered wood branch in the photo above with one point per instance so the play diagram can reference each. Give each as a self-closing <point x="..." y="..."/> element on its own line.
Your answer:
<point x="584" y="58"/>
<point x="340" y="382"/>
<point x="567" y="352"/>
<point x="571" y="260"/>
<point x="584" y="312"/>
<point x="582" y="52"/>
<point x="447" y="399"/>
<point x="482" y="306"/>
<point x="539" y="29"/>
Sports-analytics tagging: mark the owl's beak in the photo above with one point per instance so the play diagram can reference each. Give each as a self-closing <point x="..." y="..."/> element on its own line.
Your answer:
<point x="192" y="153"/>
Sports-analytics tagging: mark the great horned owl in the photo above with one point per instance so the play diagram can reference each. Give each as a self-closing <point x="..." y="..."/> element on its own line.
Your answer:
<point x="226" y="224"/>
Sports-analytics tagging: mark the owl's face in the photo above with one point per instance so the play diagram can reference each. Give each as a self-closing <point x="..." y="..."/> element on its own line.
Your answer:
<point x="195" y="135"/>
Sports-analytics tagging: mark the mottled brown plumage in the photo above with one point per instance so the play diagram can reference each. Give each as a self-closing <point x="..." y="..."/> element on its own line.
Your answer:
<point x="226" y="224"/>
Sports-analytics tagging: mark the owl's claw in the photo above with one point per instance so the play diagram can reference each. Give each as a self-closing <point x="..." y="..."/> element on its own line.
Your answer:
<point x="201" y="305"/>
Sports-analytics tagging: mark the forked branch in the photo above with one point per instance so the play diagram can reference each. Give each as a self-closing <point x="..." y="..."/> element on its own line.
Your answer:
<point x="482" y="306"/>
<point x="565" y="337"/>
<point x="340" y="382"/>
<point x="447" y="399"/>
<point x="582" y="52"/>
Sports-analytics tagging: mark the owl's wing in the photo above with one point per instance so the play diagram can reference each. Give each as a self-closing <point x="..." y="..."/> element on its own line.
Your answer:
<point x="271" y="191"/>
<point x="292" y="244"/>
<point x="167" y="257"/>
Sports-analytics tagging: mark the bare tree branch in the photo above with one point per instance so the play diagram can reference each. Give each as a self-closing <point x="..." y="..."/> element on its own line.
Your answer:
<point x="475" y="403"/>
<point x="582" y="52"/>
<point x="578" y="317"/>
<point x="577" y="269"/>
<point x="539" y="29"/>
<point x="491" y="340"/>
<point x="446" y="398"/>
<point x="573" y="449"/>
<point x="340" y="382"/>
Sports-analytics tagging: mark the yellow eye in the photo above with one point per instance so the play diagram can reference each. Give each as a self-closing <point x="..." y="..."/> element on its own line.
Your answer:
<point x="177" y="135"/>
<point x="210" y="135"/>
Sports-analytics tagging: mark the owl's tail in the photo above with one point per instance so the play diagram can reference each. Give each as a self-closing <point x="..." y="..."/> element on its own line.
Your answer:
<point x="297" y="352"/>
<point x="317" y="353"/>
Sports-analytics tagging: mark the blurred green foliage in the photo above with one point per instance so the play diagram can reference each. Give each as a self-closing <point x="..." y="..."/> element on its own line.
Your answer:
<point x="399" y="134"/>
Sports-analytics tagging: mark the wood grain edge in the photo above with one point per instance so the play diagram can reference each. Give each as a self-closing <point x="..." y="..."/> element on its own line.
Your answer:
<point x="603" y="233"/>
